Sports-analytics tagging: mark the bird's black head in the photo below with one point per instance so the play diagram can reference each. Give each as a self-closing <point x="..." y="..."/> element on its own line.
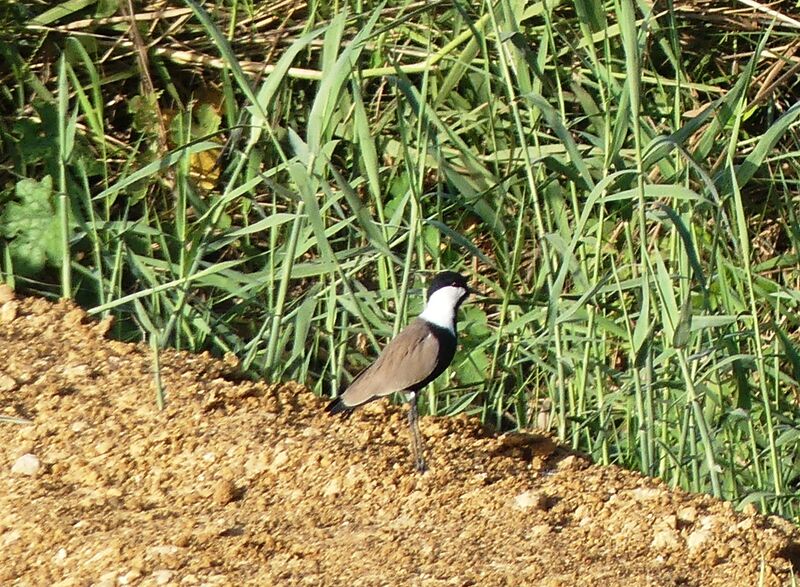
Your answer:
<point x="446" y="279"/>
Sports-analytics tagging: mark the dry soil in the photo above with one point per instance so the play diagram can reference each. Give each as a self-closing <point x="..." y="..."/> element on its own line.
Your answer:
<point x="243" y="483"/>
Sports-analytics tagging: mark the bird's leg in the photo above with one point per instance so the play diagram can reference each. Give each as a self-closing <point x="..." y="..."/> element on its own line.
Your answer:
<point x="417" y="448"/>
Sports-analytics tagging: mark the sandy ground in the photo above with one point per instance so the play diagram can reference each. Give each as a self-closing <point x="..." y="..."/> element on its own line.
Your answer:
<point x="242" y="483"/>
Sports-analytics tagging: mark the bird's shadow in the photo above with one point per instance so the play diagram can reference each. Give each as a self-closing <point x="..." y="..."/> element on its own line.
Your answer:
<point x="463" y="443"/>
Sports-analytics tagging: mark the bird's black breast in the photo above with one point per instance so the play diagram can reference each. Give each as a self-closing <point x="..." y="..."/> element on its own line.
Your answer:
<point x="447" y="350"/>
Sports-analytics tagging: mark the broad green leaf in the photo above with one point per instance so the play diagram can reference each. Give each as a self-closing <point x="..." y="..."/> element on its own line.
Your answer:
<point x="30" y="224"/>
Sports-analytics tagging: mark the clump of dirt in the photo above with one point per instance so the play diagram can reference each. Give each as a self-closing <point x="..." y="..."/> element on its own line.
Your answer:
<point x="251" y="483"/>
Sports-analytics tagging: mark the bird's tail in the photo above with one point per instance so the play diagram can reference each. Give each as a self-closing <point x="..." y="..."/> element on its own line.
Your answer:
<point x="337" y="406"/>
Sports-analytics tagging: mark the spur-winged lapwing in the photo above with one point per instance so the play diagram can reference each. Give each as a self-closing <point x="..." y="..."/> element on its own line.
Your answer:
<point x="414" y="358"/>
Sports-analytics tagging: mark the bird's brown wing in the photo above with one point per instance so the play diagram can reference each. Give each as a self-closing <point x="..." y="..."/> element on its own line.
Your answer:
<point x="406" y="361"/>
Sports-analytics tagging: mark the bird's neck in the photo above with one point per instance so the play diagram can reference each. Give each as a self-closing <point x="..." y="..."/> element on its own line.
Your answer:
<point x="440" y="314"/>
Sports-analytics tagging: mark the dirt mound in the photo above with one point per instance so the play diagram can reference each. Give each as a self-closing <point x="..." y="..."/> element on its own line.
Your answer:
<point x="251" y="483"/>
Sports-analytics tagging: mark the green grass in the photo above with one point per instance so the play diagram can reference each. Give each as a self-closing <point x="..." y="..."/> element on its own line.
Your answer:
<point x="623" y="195"/>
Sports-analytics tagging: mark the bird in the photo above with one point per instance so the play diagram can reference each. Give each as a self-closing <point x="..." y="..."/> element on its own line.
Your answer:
<point x="413" y="359"/>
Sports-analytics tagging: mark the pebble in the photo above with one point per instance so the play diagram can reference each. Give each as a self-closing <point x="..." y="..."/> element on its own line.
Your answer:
<point x="7" y="383"/>
<point x="73" y="372"/>
<point x="666" y="539"/>
<point x="583" y="514"/>
<point x="103" y="447"/>
<point x="539" y="530"/>
<point x="688" y="514"/>
<point x="162" y="576"/>
<point x="697" y="539"/>
<point x="231" y="360"/>
<point x="10" y="537"/>
<point x="6" y="293"/>
<point x="224" y="492"/>
<point x="530" y="499"/>
<point x="568" y="463"/>
<point x="750" y="509"/>
<point x="79" y="426"/>
<point x="26" y="446"/>
<point x="8" y="312"/>
<point x="129" y="578"/>
<point x="74" y="317"/>
<point x="27" y="464"/>
<point x="60" y="556"/>
<point x="280" y="459"/>
<point x="108" y="579"/>
<point x="332" y="488"/>
<point x="255" y="464"/>
<point x="40" y="306"/>
<point x="138" y="447"/>
<point x="646" y="493"/>
<point x="665" y="535"/>
<point x="160" y="550"/>
<point x="102" y="327"/>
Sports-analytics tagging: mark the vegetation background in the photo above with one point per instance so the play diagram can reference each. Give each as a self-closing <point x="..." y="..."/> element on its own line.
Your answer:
<point x="276" y="179"/>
